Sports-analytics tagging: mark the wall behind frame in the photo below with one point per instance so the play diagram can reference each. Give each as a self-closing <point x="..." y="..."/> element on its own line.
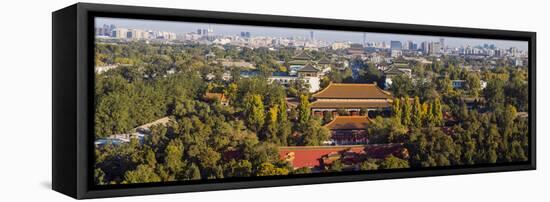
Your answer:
<point x="25" y="107"/>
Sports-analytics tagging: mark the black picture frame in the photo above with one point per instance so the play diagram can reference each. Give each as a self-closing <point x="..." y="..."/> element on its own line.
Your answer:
<point x="72" y="97"/>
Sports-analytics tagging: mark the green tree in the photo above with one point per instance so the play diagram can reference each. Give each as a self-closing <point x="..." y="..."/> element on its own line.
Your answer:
<point x="314" y="133"/>
<point x="369" y="164"/>
<point x="406" y="112"/>
<point x="494" y="94"/>
<point x="492" y="144"/>
<point x="142" y="174"/>
<point x="473" y="84"/>
<point x="304" y="112"/>
<point x="336" y="166"/>
<point x="268" y="169"/>
<point x="401" y="85"/>
<point x="429" y="119"/>
<point x="173" y="160"/>
<point x="192" y="172"/>
<point x="416" y="118"/>
<point x="392" y="162"/>
<point x="150" y="158"/>
<point x="99" y="177"/>
<point x="272" y="126"/>
<point x="232" y="92"/>
<point x="240" y="168"/>
<point x="437" y="112"/>
<point x="396" y="109"/>
<point x="284" y="123"/>
<point x="112" y="115"/>
<point x="254" y="112"/>
<point x="445" y="86"/>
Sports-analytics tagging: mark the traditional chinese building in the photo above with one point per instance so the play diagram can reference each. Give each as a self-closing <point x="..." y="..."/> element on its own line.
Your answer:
<point x="396" y="70"/>
<point x="319" y="157"/>
<point x="309" y="74"/>
<point x="298" y="62"/>
<point x="348" y="130"/>
<point x="351" y="98"/>
<point x="216" y="97"/>
<point x="325" y="65"/>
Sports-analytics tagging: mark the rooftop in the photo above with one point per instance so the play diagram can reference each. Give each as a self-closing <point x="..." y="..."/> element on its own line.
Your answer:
<point x="298" y="62"/>
<point x="394" y="71"/>
<point x="348" y="123"/>
<point x="302" y="56"/>
<point x="215" y="96"/>
<point x="280" y="74"/>
<point x="308" y="68"/>
<point x="310" y="156"/>
<point x="324" y="60"/>
<point x="352" y="91"/>
<point x="326" y="104"/>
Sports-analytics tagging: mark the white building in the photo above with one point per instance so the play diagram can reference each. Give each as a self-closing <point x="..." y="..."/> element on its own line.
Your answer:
<point x="340" y="45"/>
<point x="396" y="53"/>
<point x="308" y="74"/>
<point x="120" y="33"/>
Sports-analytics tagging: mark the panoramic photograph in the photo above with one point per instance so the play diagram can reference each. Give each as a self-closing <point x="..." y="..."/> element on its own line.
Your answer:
<point x="184" y="101"/>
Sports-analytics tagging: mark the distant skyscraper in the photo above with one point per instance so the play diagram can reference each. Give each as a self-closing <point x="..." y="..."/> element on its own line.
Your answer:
<point x="396" y="45"/>
<point x="442" y="43"/>
<point x="106" y="30"/>
<point x="210" y="31"/>
<point x="311" y="37"/>
<point x="364" y="39"/>
<point x="425" y="47"/>
<point x="245" y="34"/>
<point x="199" y="31"/>
<point x="120" y="33"/>
<point x="412" y="45"/>
<point x="434" y="48"/>
<point x="110" y="31"/>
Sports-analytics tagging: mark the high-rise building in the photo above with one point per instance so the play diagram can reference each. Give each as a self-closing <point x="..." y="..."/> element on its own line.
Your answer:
<point x="120" y="33"/>
<point x="106" y="30"/>
<point x="396" y="45"/>
<point x="434" y="48"/>
<point x="210" y="31"/>
<point x="245" y="34"/>
<point x="442" y="43"/>
<point x="412" y="45"/>
<point x="311" y="37"/>
<point x="425" y="47"/>
<point x="394" y="53"/>
<point x="137" y="34"/>
<point x="98" y="31"/>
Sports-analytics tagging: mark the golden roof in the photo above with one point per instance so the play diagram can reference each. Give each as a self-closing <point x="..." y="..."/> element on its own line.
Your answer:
<point x="348" y="123"/>
<point x="352" y="91"/>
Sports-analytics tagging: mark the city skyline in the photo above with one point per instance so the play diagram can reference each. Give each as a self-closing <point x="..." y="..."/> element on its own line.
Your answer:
<point x="323" y="35"/>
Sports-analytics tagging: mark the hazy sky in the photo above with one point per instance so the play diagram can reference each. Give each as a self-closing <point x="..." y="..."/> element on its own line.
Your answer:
<point x="325" y="35"/>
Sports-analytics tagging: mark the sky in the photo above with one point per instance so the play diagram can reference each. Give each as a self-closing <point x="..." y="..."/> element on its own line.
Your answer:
<point x="325" y="35"/>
